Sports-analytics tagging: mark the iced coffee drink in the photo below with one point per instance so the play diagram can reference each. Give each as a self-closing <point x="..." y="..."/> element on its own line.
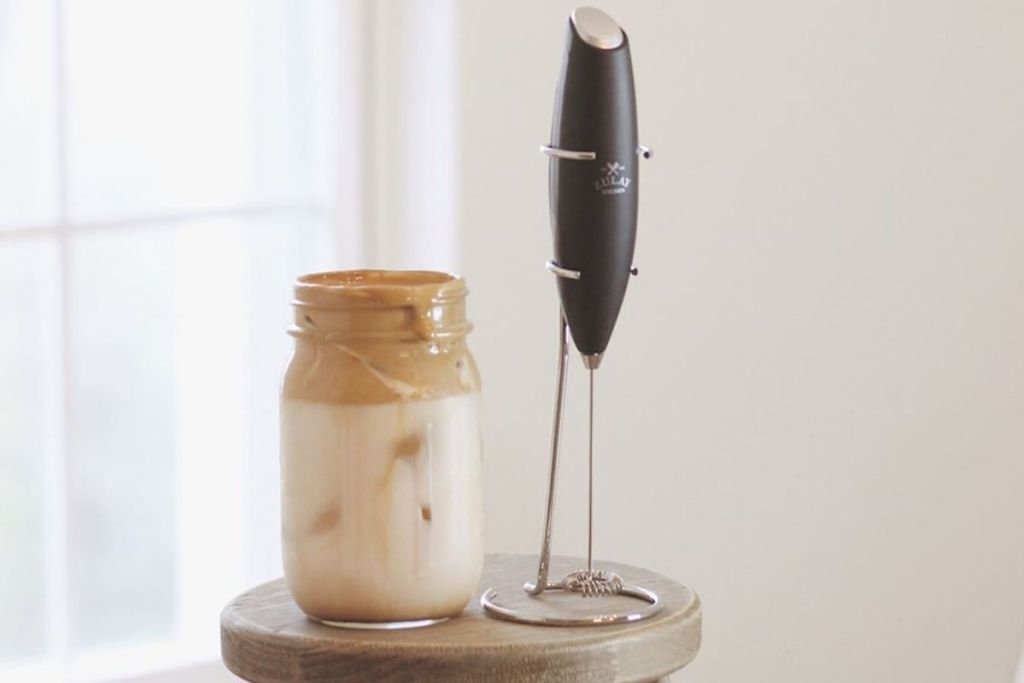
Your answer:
<point x="380" y="449"/>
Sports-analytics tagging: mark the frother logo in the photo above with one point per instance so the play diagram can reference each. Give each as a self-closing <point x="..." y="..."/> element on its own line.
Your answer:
<point x="614" y="180"/>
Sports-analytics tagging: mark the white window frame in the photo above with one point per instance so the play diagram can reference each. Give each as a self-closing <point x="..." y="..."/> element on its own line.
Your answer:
<point x="396" y="92"/>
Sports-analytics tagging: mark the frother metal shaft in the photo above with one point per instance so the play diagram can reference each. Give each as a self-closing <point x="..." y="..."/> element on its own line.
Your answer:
<point x="590" y="477"/>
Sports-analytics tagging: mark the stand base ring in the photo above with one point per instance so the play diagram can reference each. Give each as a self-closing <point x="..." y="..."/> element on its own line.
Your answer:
<point x="489" y="601"/>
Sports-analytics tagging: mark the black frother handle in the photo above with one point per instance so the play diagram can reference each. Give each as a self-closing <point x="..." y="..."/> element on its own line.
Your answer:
<point x="594" y="202"/>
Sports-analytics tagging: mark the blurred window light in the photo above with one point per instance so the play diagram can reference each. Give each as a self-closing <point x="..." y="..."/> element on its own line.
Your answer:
<point x="166" y="168"/>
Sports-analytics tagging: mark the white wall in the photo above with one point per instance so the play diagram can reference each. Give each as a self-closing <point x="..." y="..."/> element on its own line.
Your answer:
<point x="812" y="410"/>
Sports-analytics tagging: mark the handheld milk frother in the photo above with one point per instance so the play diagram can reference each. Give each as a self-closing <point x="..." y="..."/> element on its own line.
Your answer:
<point x="593" y="186"/>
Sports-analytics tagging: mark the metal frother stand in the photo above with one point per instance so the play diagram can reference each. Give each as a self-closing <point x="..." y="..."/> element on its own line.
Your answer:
<point x="593" y="186"/>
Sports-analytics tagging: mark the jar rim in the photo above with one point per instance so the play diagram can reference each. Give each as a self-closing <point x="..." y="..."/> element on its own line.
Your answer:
<point x="376" y="287"/>
<point x="380" y="304"/>
<point x="373" y="277"/>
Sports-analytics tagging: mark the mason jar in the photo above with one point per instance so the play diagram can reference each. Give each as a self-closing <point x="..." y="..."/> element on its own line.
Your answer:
<point x="380" y="449"/>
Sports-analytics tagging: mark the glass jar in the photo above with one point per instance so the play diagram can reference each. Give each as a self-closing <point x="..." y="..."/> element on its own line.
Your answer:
<point x="380" y="448"/>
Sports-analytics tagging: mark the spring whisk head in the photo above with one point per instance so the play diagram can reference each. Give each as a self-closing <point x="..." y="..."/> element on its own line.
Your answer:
<point x="592" y="583"/>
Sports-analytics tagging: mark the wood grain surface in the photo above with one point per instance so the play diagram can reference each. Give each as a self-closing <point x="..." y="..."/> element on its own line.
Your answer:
<point x="265" y="638"/>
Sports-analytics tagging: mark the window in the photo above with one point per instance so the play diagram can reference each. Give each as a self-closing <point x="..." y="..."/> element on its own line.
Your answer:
<point x="166" y="168"/>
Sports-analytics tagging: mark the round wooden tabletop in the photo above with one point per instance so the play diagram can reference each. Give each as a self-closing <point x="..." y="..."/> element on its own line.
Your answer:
<point x="266" y="638"/>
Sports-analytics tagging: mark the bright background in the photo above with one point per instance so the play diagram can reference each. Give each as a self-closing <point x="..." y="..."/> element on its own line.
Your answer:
<point x="812" y="410"/>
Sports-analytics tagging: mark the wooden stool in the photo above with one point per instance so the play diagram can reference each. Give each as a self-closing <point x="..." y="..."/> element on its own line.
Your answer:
<point x="267" y="639"/>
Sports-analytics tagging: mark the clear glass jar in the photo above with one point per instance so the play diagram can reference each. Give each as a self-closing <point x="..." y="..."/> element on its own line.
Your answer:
<point x="380" y="448"/>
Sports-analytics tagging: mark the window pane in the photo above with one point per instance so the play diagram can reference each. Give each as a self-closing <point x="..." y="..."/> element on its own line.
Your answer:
<point x="28" y="194"/>
<point x="157" y="106"/>
<point x="122" y="435"/>
<point x="293" y="100"/>
<point x="28" y="407"/>
<point x="194" y="104"/>
<point x="178" y="345"/>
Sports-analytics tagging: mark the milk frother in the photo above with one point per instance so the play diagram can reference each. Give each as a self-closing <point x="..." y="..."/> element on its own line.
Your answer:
<point x="593" y="187"/>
